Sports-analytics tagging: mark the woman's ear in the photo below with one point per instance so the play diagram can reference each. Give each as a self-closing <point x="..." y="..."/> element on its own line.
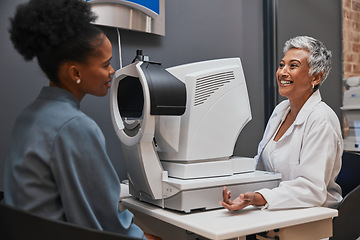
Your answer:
<point x="74" y="73"/>
<point x="317" y="78"/>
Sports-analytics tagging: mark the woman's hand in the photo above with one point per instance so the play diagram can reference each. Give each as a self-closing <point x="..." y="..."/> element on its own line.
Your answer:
<point x="243" y="200"/>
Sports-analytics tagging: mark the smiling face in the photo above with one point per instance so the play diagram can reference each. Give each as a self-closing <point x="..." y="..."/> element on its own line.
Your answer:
<point x="95" y="74"/>
<point x="293" y="77"/>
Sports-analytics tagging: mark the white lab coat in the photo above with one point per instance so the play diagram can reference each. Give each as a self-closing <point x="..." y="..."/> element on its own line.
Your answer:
<point x="308" y="156"/>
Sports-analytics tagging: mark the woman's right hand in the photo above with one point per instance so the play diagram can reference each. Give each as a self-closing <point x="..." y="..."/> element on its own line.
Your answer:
<point x="242" y="201"/>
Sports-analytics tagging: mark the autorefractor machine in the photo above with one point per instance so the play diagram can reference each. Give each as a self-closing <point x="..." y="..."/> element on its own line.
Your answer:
<point x="351" y="111"/>
<point x="178" y="128"/>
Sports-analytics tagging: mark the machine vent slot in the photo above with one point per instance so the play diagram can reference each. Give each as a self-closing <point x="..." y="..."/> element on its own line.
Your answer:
<point x="208" y="85"/>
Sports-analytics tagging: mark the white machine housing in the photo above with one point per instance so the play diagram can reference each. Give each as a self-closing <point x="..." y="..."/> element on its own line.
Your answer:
<point x="201" y="141"/>
<point x="181" y="158"/>
<point x="351" y="110"/>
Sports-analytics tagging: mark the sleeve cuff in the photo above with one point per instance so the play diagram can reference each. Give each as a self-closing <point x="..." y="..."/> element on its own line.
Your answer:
<point x="265" y="206"/>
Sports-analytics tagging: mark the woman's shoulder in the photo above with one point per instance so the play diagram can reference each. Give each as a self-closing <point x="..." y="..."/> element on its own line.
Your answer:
<point x="62" y="115"/>
<point x="322" y="114"/>
<point x="79" y="122"/>
<point x="80" y="129"/>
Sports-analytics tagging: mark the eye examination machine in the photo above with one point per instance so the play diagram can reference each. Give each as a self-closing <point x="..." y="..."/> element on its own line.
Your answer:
<point x="178" y="128"/>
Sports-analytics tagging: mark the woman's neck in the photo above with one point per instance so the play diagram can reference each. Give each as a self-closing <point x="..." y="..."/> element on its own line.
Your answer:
<point x="63" y="86"/>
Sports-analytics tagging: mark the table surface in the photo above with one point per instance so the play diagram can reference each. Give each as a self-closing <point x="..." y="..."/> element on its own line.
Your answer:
<point x="222" y="224"/>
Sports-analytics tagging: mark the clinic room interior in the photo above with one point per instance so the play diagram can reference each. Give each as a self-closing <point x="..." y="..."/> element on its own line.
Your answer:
<point x="161" y="119"/>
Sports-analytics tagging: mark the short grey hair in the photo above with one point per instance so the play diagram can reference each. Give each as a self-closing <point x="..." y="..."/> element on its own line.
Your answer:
<point x="319" y="59"/>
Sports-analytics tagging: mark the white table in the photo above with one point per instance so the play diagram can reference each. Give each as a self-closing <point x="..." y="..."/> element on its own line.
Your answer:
<point x="307" y="223"/>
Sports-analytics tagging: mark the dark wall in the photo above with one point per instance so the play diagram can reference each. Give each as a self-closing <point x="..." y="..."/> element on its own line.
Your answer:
<point x="195" y="31"/>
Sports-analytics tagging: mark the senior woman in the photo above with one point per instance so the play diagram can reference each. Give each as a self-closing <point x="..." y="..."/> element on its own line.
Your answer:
<point x="302" y="139"/>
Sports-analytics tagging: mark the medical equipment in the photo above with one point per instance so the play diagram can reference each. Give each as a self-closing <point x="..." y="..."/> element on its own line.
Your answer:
<point x="351" y="111"/>
<point x="138" y="15"/>
<point x="178" y="128"/>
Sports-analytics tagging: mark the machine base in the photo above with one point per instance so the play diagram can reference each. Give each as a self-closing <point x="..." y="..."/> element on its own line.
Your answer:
<point x="207" y="169"/>
<point x="205" y="193"/>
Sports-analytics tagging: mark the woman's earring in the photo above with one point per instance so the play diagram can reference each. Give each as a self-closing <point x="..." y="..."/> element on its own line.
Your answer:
<point x="312" y="84"/>
<point x="79" y="81"/>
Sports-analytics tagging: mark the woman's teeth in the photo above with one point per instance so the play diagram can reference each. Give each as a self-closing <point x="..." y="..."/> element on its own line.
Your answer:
<point x="285" y="82"/>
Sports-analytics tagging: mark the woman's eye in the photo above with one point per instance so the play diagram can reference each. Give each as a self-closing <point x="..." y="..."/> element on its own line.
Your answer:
<point x="294" y="65"/>
<point x="281" y="65"/>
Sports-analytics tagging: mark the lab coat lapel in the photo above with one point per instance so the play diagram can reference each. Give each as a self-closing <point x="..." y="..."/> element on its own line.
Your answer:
<point x="304" y="113"/>
<point x="273" y="123"/>
<point x="278" y="115"/>
<point x="309" y="105"/>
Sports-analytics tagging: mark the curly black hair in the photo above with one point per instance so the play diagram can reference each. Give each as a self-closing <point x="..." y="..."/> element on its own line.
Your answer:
<point x="54" y="32"/>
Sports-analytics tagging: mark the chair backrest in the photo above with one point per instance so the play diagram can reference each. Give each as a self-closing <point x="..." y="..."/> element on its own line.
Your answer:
<point x="347" y="225"/>
<point x="349" y="177"/>
<point x="17" y="224"/>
